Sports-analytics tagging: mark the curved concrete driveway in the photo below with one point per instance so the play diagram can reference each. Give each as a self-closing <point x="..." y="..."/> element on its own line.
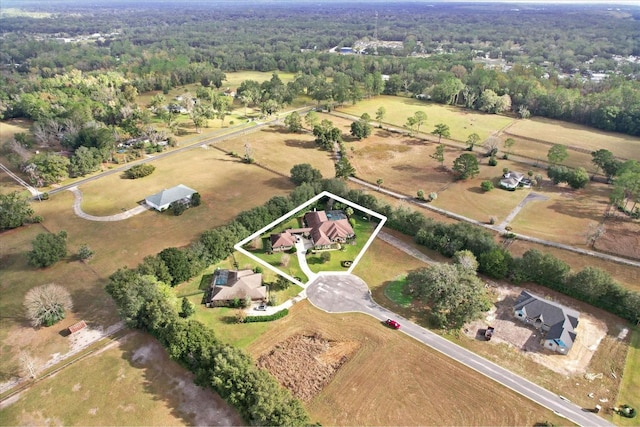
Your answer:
<point x="339" y="293"/>
<point x="117" y="217"/>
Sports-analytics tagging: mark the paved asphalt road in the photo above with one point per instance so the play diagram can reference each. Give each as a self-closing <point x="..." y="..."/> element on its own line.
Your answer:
<point x="347" y="293"/>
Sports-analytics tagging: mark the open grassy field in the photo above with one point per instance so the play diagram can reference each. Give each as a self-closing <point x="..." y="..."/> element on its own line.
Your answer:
<point x="566" y="216"/>
<point x="117" y="244"/>
<point x="219" y="179"/>
<point x="280" y="150"/>
<point x="630" y="389"/>
<point x="461" y="122"/>
<point x="573" y="135"/>
<point x="393" y="379"/>
<point x="129" y="382"/>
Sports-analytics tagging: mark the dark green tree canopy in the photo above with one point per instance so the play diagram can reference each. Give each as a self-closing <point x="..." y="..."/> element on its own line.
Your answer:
<point x="15" y="210"/>
<point x="304" y="172"/>
<point x="466" y="166"/>
<point x="48" y="248"/>
<point x="454" y="294"/>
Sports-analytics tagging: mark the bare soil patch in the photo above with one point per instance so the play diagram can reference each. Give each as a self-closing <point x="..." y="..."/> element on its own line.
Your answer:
<point x="621" y="236"/>
<point x="509" y="330"/>
<point x="132" y="382"/>
<point x="306" y="363"/>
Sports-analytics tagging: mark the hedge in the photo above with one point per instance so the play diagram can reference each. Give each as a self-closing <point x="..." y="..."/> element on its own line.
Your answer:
<point x="275" y="316"/>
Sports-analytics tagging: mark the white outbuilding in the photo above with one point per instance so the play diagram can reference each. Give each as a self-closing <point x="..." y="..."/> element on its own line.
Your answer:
<point x="162" y="200"/>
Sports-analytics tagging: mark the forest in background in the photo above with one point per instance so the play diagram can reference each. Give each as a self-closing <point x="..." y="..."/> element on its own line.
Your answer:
<point x="547" y="55"/>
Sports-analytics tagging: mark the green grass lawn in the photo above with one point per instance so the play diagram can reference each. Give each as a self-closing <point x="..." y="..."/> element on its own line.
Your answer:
<point x="222" y="319"/>
<point x="395" y="291"/>
<point x="630" y="388"/>
<point x="461" y="122"/>
<point x="349" y="251"/>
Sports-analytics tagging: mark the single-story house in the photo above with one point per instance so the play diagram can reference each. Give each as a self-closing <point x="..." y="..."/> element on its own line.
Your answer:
<point x="229" y="285"/>
<point x="511" y="180"/>
<point x="282" y="241"/>
<point x="326" y="230"/>
<point x="557" y="321"/>
<point x="162" y="200"/>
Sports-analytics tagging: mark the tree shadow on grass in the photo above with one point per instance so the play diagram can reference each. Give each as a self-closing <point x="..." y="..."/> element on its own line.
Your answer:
<point x="476" y="190"/>
<point x="300" y="143"/>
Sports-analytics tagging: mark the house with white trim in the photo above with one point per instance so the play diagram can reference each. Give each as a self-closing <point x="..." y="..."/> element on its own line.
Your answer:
<point x="557" y="322"/>
<point x="512" y="180"/>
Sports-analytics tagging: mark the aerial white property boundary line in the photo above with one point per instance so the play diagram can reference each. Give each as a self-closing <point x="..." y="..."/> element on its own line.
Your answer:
<point x="382" y="218"/>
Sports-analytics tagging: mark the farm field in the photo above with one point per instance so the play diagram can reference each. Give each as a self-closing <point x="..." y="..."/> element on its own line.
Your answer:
<point x="145" y="388"/>
<point x="385" y="363"/>
<point x="281" y="150"/>
<point x="567" y="216"/>
<point x="144" y="234"/>
<point x="573" y="135"/>
<point x="461" y="122"/>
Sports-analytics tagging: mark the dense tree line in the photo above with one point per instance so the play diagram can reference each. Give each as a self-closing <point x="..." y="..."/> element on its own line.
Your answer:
<point x="591" y="285"/>
<point x="156" y="53"/>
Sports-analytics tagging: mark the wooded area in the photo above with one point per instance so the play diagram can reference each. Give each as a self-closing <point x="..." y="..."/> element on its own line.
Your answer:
<point x="83" y="64"/>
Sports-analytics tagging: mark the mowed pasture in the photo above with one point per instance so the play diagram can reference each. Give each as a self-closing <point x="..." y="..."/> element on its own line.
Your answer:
<point x="118" y="244"/>
<point x="280" y="150"/>
<point x="573" y="135"/>
<point x="392" y="379"/>
<point x="461" y="122"/>
<point x="131" y="381"/>
<point x="404" y="164"/>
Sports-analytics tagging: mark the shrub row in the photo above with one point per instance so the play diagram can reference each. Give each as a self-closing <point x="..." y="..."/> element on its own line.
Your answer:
<point x="146" y="303"/>
<point x="275" y="316"/>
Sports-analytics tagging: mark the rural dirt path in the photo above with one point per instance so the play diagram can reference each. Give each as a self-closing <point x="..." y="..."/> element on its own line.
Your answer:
<point x="408" y="249"/>
<point x="117" y="217"/>
<point x="345" y="293"/>
<point x="524" y="237"/>
<point x="530" y="198"/>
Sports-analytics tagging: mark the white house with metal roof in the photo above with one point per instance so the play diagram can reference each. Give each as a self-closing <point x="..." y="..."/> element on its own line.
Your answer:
<point x="162" y="200"/>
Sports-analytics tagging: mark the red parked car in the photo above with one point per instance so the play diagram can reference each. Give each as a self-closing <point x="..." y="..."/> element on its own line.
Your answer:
<point x="392" y="324"/>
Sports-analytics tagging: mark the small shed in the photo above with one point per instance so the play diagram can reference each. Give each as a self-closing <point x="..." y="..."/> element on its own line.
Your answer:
<point x="77" y="327"/>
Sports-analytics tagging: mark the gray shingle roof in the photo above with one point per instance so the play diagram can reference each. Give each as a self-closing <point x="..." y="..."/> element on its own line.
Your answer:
<point x="561" y="320"/>
<point x="170" y="195"/>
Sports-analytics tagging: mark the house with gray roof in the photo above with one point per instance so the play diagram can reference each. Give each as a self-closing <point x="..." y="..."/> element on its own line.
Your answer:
<point x="511" y="180"/>
<point x="162" y="200"/>
<point x="557" y="322"/>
